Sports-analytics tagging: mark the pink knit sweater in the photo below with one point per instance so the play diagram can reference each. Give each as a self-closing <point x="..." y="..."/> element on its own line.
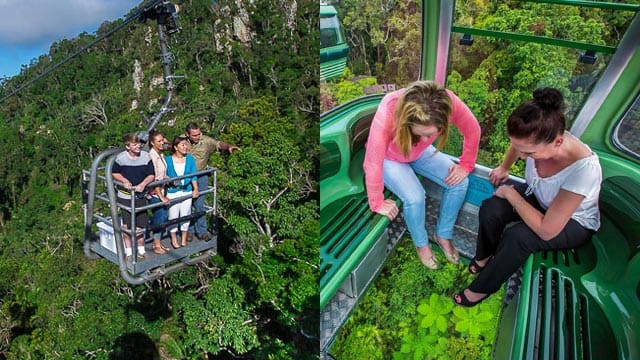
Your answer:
<point x="380" y="144"/>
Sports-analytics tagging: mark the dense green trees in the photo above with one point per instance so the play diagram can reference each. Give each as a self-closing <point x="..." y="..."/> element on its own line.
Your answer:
<point x="384" y="38"/>
<point x="494" y="75"/>
<point x="251" y="78"/>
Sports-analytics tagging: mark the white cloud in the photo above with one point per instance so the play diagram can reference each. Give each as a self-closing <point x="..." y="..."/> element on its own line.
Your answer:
<point x="26" y="22"/>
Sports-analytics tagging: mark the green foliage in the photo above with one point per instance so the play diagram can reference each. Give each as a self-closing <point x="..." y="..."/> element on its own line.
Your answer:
<point x="435" y="313"/>
<point x="438" y="319"/>
<point x="260" y="93"/>
<point x="363" y="22"/>
<point x="327" y="99"/>
<point x="475" y="321"/>
<point x="270" y="178"/>
<point x="410" y="311"/>
<point x="220" y="319"/>
<point x="467" y="348"/>
<point x="349" y="88"/>
<point x="363" y="342"/>
<point x="405" y="21"/>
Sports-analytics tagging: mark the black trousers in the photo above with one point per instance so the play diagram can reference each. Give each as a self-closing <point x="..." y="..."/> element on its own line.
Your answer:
<point x="503" y="234"/>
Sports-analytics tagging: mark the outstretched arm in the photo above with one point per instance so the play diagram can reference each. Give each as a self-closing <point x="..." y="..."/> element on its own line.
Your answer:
<point x="463" y="119"/>
<point x="466" y="122"/>
<point x="377" y="144"/>
<point x="229" y="147"/>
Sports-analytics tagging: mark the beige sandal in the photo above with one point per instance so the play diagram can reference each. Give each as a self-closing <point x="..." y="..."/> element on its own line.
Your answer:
<point x="431" y="263"/>
<point x="453" y="258"/>
<point x="159" y="250"/>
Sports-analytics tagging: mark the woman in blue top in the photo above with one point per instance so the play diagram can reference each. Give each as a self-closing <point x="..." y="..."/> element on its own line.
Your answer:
<point x="178" y="164"/>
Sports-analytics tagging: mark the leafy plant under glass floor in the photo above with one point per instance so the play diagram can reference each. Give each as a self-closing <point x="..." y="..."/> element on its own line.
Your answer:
<point x="408" y="313"/>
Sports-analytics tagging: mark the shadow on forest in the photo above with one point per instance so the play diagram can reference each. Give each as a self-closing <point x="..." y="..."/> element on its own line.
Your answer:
<point x="305" y="333"/>
<point x="153" y="304"/>
<point x="134" y="345"/>
<point x="309" y="322"/>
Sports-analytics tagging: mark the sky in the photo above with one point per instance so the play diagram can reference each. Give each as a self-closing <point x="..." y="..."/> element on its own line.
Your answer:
<point x="29" y="27"/>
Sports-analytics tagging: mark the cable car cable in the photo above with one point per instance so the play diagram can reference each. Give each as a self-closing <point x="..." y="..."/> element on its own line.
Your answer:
<point x="83" y="49"/>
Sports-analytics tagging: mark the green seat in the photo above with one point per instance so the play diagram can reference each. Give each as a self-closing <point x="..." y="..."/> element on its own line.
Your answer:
<point x="348" y="230"/>
<point x="614" y="283"/>
<point x="554" y="316"/>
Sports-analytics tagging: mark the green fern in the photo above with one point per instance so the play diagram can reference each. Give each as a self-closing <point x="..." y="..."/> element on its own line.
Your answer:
<point x="478" y="321"/>
<point x="435" y="313"/>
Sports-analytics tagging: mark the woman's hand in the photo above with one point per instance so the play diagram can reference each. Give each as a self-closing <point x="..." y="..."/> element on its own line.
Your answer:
<point x="456" y="175"/>
<point x="504" y="191"/>
<point x="498" y="175"/>
<point x="389" y="209"/>
<point x="195" y="193"/>
<point x="165" y="200"/>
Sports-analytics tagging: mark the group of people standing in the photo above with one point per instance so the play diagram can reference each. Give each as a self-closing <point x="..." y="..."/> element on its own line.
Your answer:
<point x="556" y="207"/>
<point x="136" y="169"/>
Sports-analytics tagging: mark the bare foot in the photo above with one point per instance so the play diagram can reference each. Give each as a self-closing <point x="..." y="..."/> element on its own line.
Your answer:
<point x="484" y="261"/>
<point x="474" y="296"/>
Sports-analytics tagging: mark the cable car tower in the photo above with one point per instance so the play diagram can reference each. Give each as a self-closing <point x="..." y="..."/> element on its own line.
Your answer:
<point x="99" y="189"/>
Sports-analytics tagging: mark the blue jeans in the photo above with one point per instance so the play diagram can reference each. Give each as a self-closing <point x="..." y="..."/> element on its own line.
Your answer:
<point x="401" y="179"/>
<point x="199" y="225"/>
<point x="158" y="216"/>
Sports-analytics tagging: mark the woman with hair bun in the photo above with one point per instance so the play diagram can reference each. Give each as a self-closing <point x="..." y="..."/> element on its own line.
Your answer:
<point x="400" y="145"/>
<point x="557" y="207"/>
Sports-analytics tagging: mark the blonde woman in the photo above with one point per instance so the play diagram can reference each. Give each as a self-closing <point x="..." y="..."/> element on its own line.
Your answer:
<point x="400" y="146"/>
<point x="158" y="194"/>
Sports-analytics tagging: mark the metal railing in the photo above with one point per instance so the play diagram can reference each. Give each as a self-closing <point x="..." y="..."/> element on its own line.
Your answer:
<point x="102" y="175"/>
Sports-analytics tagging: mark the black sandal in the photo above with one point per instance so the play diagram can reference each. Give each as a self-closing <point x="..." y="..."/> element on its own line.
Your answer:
<point x="461" y="299"/>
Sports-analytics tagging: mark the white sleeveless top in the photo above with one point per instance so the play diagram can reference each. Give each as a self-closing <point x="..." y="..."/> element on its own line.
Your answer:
<point x="179" y="167"/>
<point x="583" y="177"/>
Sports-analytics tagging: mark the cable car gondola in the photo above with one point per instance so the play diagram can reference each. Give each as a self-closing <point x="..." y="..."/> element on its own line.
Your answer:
<point x="99" y="190"/>
<point x="333" y="45"/>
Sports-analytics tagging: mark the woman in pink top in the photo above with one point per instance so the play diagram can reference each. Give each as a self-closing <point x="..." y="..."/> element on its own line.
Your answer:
<point x="402" y="132"/>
